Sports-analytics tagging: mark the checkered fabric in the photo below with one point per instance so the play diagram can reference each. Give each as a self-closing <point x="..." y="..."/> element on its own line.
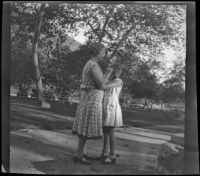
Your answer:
<point x="88" y="119"/>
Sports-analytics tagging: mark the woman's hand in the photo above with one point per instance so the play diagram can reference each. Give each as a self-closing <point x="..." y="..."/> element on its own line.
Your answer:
<point x="102" y="81"/>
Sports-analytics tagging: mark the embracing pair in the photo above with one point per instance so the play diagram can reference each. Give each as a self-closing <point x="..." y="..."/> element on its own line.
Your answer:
<point x="99" y="111"/>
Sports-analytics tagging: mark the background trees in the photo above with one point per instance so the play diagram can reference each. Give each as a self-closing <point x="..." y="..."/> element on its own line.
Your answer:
<point x="135" y="35"/>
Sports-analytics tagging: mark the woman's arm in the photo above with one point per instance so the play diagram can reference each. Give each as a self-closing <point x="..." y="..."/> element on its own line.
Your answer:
<point x="101" y="81"/>
<point x="108" y="73"/>
<point x="84" y="87"/>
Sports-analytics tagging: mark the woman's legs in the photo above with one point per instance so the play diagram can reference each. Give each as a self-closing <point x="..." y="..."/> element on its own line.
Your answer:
<point x="112" y="140"/>
<point x="81" y="145"/>
<point x="80" y="149"/>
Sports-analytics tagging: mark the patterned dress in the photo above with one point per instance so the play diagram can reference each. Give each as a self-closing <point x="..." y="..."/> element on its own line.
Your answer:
<point x="88" y="119"/>
<point x="112" y="113"/>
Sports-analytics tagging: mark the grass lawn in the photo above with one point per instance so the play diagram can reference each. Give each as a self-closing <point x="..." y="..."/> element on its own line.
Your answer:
<point x="130" y="117"/>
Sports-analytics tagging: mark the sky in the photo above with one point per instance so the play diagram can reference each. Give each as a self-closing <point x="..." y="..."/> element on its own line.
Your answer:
<point x="80" y="38"/>
<point x="169" y="53"/>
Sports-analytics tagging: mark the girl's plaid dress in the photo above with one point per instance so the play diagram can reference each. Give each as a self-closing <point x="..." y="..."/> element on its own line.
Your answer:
<point x="88" y="119"/>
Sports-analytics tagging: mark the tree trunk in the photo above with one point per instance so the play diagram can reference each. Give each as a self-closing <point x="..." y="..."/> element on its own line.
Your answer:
<point x="150" y="106"/>
<point x="34" y="52"/>
<point x="161" y="106"/>
<point x="145" y="103"/>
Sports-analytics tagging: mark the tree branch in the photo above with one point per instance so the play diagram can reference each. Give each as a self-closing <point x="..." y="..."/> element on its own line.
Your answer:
<point x="39" y="23"/>
<point x="124" y="37"/>
<point x="94" y="30"/>
<point x="104" y="26"/>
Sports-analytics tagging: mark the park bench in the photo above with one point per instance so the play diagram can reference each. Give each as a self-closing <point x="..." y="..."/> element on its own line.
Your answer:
<point x="22" y="92"/>
<point x="48" y="95"/>
<point x="63" y="98"/>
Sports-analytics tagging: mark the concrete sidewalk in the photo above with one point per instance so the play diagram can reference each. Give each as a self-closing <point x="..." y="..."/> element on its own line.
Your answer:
<point x="150" y="136"/>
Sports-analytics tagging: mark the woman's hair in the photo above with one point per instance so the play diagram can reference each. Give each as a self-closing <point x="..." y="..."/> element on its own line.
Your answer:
<point x="95" y="48"/>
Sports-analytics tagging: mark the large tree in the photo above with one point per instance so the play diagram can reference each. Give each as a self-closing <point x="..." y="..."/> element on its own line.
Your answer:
<point x="38" y="23"/>
<point x="131" y="33"/>
<point x="134" y="32"/>
<point x="35" y="27"/>
<point x="144" y="26"/>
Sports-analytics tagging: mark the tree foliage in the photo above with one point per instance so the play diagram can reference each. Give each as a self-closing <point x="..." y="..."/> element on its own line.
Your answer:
<point x="134" y="35"/>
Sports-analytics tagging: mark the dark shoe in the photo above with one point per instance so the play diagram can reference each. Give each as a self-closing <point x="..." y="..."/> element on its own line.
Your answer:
<point x="103" y="156"/>
<point x="109" y="160"/>
<point x="90" y="157"/>
<point x="81" y="160"/>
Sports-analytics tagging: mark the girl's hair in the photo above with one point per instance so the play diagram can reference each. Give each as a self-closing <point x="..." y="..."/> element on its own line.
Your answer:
<point x="117" y="67"/>
<point x="95" y="48"/>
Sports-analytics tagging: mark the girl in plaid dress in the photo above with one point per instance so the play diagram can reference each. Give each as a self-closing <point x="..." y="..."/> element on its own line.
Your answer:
<point x="88" y="120"/>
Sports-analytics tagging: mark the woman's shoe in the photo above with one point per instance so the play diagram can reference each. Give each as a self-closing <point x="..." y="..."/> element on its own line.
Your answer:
<point x="90" y="157"/>
<point x="111" y="159"/>
<point x="81" y="160"/>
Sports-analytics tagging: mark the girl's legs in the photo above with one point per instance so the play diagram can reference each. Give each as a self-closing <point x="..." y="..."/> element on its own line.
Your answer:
<point x="112" y="140"/>
<point x="112" y="157"/>
<point x="105" y="140"/>
<point x="81" y="145"/>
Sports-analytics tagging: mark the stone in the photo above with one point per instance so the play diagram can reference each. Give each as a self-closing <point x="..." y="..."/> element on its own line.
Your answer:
<point x="178" y="139"/>
<point x="170" y="159"/>
<point x="2" y="169"/>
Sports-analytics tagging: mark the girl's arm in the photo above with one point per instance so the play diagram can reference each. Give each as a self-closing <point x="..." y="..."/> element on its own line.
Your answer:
<point x="101" y="81"/>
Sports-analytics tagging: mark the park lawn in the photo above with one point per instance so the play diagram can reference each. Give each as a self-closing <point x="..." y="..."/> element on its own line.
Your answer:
<point x="144" y="119"/>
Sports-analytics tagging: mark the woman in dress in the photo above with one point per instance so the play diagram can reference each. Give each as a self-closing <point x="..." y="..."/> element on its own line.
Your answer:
<point x="88" y="120"/>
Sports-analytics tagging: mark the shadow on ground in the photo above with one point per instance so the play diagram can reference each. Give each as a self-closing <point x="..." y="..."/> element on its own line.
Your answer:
<point x="41" y="142"/>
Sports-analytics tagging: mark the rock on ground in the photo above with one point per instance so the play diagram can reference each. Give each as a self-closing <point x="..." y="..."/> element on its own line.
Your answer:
<point x="170" y="159"/>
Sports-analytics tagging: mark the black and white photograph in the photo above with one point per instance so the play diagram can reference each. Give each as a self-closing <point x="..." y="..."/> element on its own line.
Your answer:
<point x="99" y="88"/>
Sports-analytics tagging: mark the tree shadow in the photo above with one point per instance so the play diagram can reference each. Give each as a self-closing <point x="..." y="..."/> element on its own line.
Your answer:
<point x="62" y="159"/>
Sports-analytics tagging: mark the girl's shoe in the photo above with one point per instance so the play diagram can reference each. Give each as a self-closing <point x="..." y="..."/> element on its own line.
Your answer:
<point x="111" y="159"/>
<point x="81" y="160"/>
<point x="103" y="156"/>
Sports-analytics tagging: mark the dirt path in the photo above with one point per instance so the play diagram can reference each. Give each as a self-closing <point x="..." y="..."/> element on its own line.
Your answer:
<point x="42" y="143"/>
<point x="42" y="151"/>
